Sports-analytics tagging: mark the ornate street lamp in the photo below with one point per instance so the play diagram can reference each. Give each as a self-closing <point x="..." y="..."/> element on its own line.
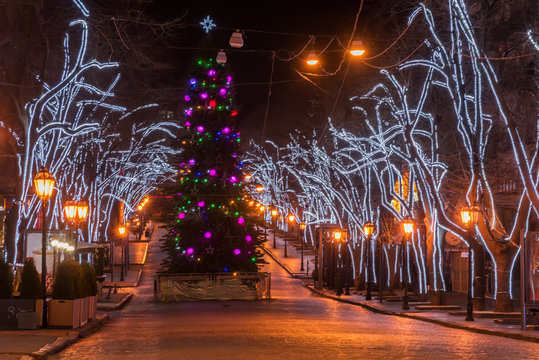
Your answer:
<point x="408" y="229"/>
<point x="121" y="231"/>
<point x="291" y="218"/>
<point x="340" y="237"/>
<point x="44" y="185"/>
<point x="274" y="214"/>
<point x="368" y="229"/>
<point x="469" y="216"/>
<point x="312" y="59"/>
<point x="301" y="230"/>
<point x="76" y="212"/>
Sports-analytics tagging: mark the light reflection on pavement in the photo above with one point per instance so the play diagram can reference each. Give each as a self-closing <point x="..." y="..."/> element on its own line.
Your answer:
<point x="295" y="324"/>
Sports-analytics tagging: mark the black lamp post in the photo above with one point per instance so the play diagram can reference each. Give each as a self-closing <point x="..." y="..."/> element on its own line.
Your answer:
<point x="340" y="238"/>
<point x="302" y="229"/>
<point x="274" y="214"/>
<point x="76" y="212"/>
<point x="380" y="272"/>
<point x="291" y="218"/>
<point x="121" y="231"/>
<point x="469" y="215"/>
<point x="44" y="185"/>
<point x="368" y="229"/>
<point x="408" y="227"/>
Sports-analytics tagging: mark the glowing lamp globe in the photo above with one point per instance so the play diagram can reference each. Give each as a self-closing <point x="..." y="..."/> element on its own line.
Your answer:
<point x="44" y="183"/>
<point x="408" y="226"/>
<point x="291" y="218"/>
<point x="121" y="230"/>
<point x="337" y="235"/>
<point x="274" y="212"/>
<point x="70" y="210"/>
<point x="357" y="48"/>
<point x="312" y="59"/>
<point x="259" y="188"/>
<point x="469" y="215"/>
<point x="302" y="226"/>
<point x="82" y="210"/>
<point x="368" y="229"/>
<point x="237" y="252"/>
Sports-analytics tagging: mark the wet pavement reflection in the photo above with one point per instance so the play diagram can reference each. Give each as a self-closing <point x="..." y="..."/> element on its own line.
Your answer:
<point x="295" y="324"/>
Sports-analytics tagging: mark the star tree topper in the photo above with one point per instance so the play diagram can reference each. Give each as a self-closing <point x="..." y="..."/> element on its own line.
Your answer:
<point x="207" y="24"/>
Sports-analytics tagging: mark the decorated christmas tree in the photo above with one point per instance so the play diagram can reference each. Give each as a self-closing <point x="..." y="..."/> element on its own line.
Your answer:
<point x="212" y="230"/>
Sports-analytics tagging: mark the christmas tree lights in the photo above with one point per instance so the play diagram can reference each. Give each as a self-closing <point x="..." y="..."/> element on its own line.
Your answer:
<point x="212" y="230"/>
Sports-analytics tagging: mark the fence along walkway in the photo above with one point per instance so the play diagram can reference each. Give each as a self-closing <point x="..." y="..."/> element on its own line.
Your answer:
<point x="218" y="286"/>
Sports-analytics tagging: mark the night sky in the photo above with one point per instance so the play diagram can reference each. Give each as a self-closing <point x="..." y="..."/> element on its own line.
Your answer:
<point x="291" y="103"/>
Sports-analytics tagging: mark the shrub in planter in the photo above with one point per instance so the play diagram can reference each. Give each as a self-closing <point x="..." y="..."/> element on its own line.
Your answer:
<point x="65" y="286"/>
<point x="65" y="308"/>
<point x="89" y="281"/>
<point x="30" y="287"/>
<point x="90" y="290"/>
<point x="6" y="280"/>
<point x="11" y="308"/>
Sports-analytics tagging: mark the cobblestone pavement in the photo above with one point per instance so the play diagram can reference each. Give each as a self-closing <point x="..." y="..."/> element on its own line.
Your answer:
<point x="295" y="324"/>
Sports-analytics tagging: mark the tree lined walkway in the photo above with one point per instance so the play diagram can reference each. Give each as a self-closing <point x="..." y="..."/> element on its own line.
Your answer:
<point x="295" y="324"/>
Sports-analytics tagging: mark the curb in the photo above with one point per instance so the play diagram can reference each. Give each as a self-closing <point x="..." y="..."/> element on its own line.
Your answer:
<point x="117" y="306"/>
<point x="62" y="342"/>
<point x="277" y="260"/>
<point x="448" y="324"/>
<point x="378" y="310"/>
<point x="139" y="276"/>
<point x="366" y="306"/>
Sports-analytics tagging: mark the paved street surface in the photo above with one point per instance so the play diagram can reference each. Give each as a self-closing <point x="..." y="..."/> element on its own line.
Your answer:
<point x="294" y="325"/>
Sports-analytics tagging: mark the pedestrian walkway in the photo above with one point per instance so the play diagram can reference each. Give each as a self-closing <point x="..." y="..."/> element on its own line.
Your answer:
<point x="292" y="262"/>
<point x="486" y="322"/>
<point x="29" y="344"/>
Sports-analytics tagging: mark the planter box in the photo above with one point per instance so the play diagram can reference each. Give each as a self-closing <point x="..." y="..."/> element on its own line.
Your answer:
<point x="92" y="308"/>
<point x="64" y="313"/>
<point x="84" y="311"/>
<point x="10" y="310"/>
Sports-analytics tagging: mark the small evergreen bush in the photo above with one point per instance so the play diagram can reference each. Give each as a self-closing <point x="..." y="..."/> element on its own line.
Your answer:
<point x="6" y="280"/>
<point x="89" y="280"/>
<point x="30" y="287"/>
<point x="67" y="281"/>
